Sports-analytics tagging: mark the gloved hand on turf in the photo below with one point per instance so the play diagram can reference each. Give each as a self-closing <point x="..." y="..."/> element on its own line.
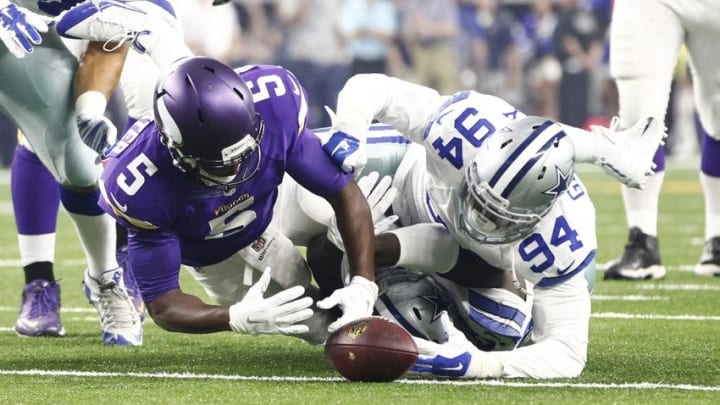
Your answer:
<point x="356" y="301"/>
<point x="279" y="313"/>
<point x="380" y="196"/>
<point x="20" y="28"/>
<point x="456" y="358"/>
<point x="344" y="145"/>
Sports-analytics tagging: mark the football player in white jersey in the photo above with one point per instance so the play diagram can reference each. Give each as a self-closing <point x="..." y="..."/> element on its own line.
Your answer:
<point x="48" y="120"/>
<point x="493" y="182"/>
<point x="484" y="289"/>
<point x="643" y="72"/>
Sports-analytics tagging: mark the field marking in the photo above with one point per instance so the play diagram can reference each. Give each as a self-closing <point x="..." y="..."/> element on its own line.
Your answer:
<point x="234" y="377"/>
<point x="680" y="287"/>
<point x="605" y="297"/>
<point x="617" y="315"/>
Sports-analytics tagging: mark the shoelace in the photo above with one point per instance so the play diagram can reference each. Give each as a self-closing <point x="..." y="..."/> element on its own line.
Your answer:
<point x="117" y="309"/>
<point x="119" y="40"/>
<point x="42" y="302"/>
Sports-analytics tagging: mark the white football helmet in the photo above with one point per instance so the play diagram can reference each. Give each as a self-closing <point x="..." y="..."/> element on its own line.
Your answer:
<point x="514" y="179"/>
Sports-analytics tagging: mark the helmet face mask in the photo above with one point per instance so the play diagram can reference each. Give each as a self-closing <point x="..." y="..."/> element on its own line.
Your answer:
<point x="514" y="180"/>
<point x="488" y="217"/>
<point x="207" y="119"/>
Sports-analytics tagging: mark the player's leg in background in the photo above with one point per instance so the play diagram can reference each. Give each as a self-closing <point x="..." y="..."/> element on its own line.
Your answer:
<point x="643" y="73"/>
<point x="152" y="27"/>
<point x="704" y="52"/>
<point x="38" y="95"/>
<point x="36" y="200"/>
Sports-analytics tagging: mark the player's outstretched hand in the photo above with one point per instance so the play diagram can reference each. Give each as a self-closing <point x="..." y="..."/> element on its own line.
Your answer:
<point x="630" y="159"/>
<point x="279" y="313"/>
<point x="344" y="146"/>
<point x="20" y="28"/>
<point x="380" y="196"/>
<point x="455" y="358"/>
<point x="356" y="301"/>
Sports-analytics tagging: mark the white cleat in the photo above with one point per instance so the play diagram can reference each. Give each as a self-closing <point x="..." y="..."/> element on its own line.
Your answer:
<point x="630" y="159"/>
<point x="119" y="319"/>
<point x="117" y="21"/>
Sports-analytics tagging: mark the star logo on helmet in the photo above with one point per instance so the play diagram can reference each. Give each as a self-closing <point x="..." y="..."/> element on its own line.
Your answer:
<point x="439" y="305"/>
<point x="561" y="183"/>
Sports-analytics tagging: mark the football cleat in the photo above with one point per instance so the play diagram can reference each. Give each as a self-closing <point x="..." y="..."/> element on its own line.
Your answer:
<point x="710" y="259"/>
<point x="40" y="310"/>
<point x="119" y="319"/>
<point x="639" y="261"/>
<point x="116" y="21"/>
<point x="631" y="158"/>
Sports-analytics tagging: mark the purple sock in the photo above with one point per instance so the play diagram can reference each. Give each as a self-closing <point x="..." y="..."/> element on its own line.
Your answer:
<point x="659" y="159"/>
<point x="709" y="161"/>
<point x="35" y="194"/>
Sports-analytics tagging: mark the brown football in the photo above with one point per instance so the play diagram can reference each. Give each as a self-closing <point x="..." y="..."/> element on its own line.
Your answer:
<point x="371" y="349"/>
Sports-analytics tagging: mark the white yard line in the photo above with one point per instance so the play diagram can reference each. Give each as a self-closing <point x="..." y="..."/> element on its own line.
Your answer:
<point x="234" y="377"/>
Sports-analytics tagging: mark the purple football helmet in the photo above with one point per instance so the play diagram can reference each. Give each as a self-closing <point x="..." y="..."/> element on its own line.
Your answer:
<point x="207" y="118"/>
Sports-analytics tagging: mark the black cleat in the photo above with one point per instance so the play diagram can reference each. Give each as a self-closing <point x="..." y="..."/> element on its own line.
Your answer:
<point x="639" y="261"/>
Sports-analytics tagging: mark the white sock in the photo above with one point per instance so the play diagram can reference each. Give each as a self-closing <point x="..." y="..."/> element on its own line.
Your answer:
<point x="641" y="206"/>
<point x="587" y="144"/>
<point x="36" y="248"/>
<point x="711" y="187"/>
<point x="97" y="237"/>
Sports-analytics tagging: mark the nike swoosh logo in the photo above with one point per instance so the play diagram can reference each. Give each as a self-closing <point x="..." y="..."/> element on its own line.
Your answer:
<point x="565" y="270"/>
<point x="456" y="368"/>
<point x="342" y="145"/>
<point x="441" y="116"/>
<point x="116" y="203"/>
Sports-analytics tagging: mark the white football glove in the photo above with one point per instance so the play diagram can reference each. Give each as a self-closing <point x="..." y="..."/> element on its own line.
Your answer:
<point x="96" y="130"/>
<point x="380" y="196"/>
<point x="356" y="301"/>
<point x="98" y="133"/>
<point x="20" y="28"/>
<point x="280" y="313"/>
<point x="345" y="146"/>
<point x="456" y="358"/>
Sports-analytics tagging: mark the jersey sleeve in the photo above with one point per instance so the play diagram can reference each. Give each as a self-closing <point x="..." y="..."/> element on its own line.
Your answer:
<point x="311" y="167"/>
<point x="406" y="106"/>
<point x="155" y="261"/>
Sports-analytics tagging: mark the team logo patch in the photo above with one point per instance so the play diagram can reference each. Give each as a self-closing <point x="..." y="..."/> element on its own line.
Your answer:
<point x="259" y="244"/>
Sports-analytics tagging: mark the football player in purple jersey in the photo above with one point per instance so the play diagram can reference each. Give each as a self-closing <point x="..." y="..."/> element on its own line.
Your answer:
<point x="197" y="186"/>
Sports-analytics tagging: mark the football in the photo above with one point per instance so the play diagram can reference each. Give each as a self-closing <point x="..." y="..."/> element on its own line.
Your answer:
<point x="371" y="349"/>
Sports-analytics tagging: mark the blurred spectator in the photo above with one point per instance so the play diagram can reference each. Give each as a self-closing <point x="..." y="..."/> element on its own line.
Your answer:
<point x="370" y="27"/>
<point x="314" y="50"/>
<point x="543" y="69"/>
<point x="430" y="29"/>
<point x="499" y="65"/>
<point x="261" y="32"/>
<point x="209" y="30"/>
<point x="579" y="48"/>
